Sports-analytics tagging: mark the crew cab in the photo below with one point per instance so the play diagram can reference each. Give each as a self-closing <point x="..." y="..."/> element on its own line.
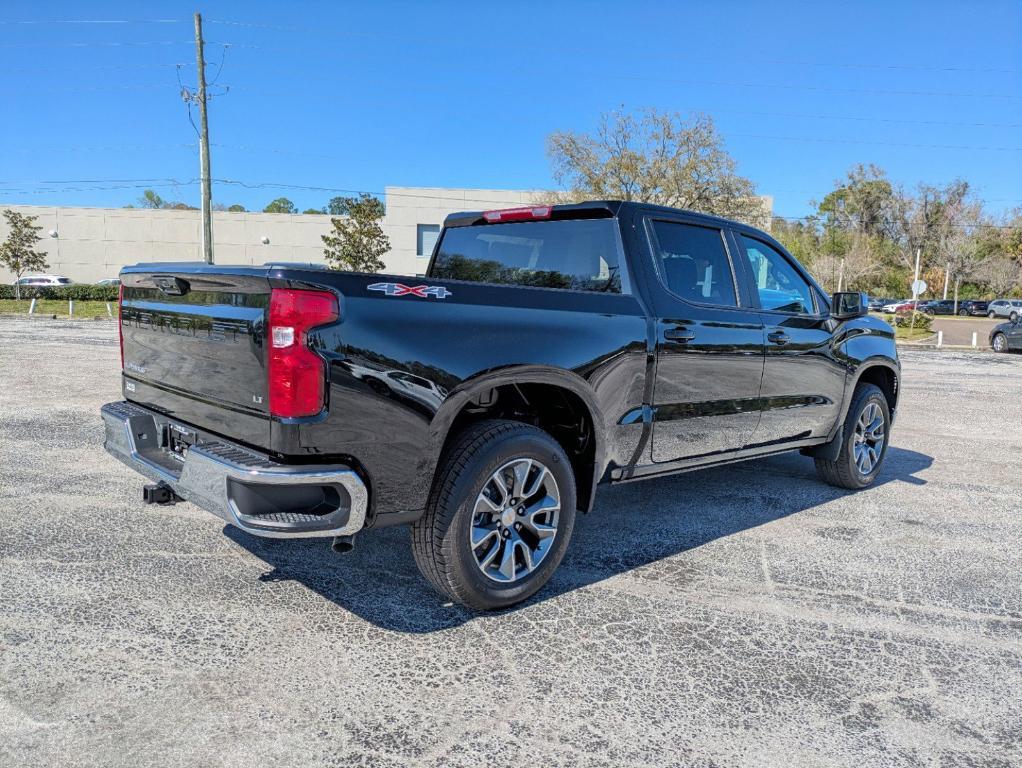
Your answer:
<point x="548" y="350"/>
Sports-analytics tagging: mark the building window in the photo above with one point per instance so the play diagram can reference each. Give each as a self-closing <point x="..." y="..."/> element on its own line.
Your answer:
<point x="425" y="238"/>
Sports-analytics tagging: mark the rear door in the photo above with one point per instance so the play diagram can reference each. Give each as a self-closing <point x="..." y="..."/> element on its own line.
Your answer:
<point x="803" y="381"/>
<point x="709" y="344"/>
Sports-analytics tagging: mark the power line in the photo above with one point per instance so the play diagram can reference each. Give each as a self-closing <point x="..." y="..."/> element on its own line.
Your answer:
<point x="94" y="21"/>
<point x="817" y="88"/>
<point x="876" y="143"/>
<point x="693" y="57"/>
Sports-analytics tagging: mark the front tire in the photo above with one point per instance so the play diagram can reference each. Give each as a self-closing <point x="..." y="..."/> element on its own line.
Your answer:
<point x="963" y="313"/>
<point x="864" y="443"/>
<point x="499" y="517"/>
<point x="991" y="315"/>
<point x="999" y="342"/>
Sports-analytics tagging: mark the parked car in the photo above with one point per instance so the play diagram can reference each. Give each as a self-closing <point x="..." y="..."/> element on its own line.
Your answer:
<point x="972" y="307"/>
<point x="565" y="346"/>
<point x="938" y="307"/>
<point x="1009" y="308"/>
<point x="1007" y="337"/>
<point x="43" y="281"/>
<point x="110" y="281"/>
<point x="877" y="305"/>
<point x="907" y="306"/>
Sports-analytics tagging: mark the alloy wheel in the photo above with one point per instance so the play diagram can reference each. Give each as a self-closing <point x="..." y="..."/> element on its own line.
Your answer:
<point x="1000" y="343"/>
<point x="870" y="434"/>
<point x="514" y="521"/>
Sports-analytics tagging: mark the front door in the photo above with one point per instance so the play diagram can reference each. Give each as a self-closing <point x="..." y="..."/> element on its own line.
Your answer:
<point x="803" y="381"/>
<point x="709" y="345"/>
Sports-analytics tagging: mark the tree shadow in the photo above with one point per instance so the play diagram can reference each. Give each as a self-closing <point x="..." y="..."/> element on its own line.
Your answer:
<point x="632" y="526"/>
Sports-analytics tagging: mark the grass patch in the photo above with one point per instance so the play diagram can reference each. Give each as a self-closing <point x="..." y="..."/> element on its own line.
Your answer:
<point x="87" y="309"/>
<point x="905" y="333"/>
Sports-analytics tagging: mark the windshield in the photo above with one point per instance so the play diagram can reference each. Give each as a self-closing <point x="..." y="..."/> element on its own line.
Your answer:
<point x="578" y="254"/>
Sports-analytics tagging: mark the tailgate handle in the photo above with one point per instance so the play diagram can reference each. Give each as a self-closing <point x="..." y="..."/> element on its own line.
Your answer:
<point x="172" y="286"/>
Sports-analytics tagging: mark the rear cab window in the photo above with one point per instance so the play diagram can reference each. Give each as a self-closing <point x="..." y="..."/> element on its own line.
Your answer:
<point x="569" y="254"/>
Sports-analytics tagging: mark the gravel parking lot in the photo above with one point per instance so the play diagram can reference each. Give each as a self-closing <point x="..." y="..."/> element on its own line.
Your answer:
<point x="743" y="616"/>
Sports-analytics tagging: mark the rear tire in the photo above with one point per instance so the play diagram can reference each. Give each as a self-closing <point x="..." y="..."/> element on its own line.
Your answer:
<point x="991" y="315"/>
<point x="963" y="313"/>
<point x="861" y="456"/>
<point x="462" y="541"/>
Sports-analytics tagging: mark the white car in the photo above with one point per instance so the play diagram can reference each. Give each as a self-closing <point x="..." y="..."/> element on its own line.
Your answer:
<point x="42" y="281"/>
<point x="892" y="307"/>
<point x="109" y="281"/>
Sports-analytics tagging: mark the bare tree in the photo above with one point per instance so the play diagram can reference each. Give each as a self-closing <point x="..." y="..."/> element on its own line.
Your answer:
<point x="654" y="157"/>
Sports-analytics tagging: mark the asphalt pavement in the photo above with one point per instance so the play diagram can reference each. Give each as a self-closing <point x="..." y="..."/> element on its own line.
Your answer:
<point x="744" y="616"/>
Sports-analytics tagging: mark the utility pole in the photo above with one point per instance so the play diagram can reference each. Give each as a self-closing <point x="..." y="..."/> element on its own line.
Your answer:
<point x="947" y="276"/>
<point x="207" y="223"/>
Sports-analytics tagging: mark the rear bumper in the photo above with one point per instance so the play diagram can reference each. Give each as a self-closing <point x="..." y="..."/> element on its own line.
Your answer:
<point x="243" y="487"/>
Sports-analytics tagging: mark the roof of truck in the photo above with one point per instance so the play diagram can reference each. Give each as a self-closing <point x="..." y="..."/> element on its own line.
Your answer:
<point x="591" y="209"/>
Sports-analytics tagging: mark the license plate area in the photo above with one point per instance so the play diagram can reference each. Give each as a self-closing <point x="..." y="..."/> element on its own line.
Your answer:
<point x="177" y="440"/>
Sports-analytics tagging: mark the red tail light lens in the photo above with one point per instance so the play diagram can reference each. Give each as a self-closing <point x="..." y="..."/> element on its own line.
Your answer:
<point x="297" y="375"/>
<point x="531" y="213"/>
<point x="120" y="320"/>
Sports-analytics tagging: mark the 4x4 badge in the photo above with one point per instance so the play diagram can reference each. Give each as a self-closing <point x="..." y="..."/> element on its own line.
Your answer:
<point x="422" y="291"/>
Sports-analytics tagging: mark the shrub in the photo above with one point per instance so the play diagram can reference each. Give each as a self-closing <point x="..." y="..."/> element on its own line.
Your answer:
<point x="923" y="322"/>
<point x="64" y="292"/>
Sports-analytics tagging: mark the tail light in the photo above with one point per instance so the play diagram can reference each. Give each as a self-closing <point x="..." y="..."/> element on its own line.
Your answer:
<point x="531" y="213"/>
<point x="120" y="320"/>
<point x="297" y="375"/>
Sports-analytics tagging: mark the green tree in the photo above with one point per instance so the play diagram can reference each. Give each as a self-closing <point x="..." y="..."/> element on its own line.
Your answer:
<point x="150" y="199"/>
<point x="17" y="252"/>
<point x="318" y="211"/>
<point x="357" y="241"/>
<point x="335" y="207"/>
<point x="236" y="208"/>
<point x="280" y="205"/>
<point x="654" y="157"/>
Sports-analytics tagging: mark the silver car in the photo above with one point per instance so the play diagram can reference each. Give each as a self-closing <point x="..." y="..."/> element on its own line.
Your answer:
<point x="1009" y="308"/>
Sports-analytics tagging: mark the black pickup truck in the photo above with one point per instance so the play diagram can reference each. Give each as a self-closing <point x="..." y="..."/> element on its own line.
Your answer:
<point x="549" y="349"/>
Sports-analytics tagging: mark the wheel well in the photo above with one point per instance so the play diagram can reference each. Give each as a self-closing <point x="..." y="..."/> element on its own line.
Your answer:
<point x="556" y="410"/>
<point x="884" y="378"/>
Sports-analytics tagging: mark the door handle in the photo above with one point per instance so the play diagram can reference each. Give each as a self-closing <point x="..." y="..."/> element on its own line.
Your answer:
<point x="778" y="337"/>
<point x="680" y="335"/>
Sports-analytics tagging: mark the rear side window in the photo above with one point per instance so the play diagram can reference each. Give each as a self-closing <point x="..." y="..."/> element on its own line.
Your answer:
<point x="580" y="255"/>
<point x="693" y="263"/>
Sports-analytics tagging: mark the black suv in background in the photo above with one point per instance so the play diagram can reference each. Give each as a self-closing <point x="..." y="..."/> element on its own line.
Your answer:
<point x="549" y="349"/>
<point x="972" y="307"/>
<point x="939" y="307"/>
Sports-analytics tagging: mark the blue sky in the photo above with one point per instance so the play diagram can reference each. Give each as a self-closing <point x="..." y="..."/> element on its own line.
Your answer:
<point x="356" y="96"/>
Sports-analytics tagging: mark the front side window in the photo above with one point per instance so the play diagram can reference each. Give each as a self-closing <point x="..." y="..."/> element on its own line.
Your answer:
<point x="781" y="288"/>
<point x="693" y="263"/>
<point x="575" y="254"/>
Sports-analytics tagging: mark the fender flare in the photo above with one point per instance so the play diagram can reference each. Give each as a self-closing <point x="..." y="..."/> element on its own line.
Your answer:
<point x="829" y="451"/>
<point x="472" y="387"/>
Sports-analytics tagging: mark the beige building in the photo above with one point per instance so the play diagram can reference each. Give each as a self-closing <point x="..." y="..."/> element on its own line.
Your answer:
<point x="90" y="244"/>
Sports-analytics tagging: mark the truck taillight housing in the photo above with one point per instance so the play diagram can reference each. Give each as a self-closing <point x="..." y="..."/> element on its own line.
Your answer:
<point x="120" y="320"/>
<point x="297" y="375"/>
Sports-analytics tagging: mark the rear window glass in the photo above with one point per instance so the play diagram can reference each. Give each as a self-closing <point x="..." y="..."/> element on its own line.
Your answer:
<point x="580" y="255"/>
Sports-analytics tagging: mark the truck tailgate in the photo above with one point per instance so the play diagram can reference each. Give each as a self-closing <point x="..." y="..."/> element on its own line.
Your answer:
<point x="196" y="338"/>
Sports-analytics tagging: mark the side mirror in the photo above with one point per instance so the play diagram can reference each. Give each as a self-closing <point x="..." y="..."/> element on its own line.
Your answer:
<point x="848" y="304"/>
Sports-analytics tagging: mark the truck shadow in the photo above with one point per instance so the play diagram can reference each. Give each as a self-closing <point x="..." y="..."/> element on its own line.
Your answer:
<point x="632" y="526"/>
